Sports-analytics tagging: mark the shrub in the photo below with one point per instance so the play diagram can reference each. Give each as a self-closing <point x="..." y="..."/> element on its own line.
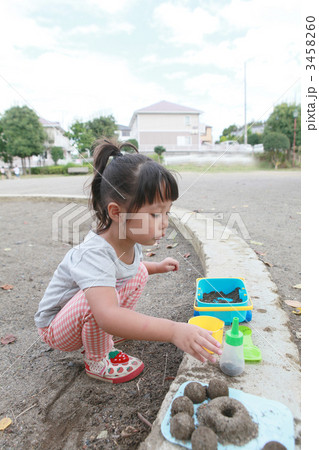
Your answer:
<point x="57" y="170"/>
<point x="159" y="149"/>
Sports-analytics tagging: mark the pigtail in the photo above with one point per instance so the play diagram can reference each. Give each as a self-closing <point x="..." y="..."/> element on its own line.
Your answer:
<point x="127" y="144"/>
<point x="102" y="150"/>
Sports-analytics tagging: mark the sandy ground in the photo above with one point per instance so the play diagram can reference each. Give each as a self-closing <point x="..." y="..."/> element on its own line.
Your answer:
<point x="52" y="402"/>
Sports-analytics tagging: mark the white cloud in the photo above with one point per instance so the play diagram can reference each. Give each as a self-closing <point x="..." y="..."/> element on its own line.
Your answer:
<point x="175" y="75"/>
<point x="111" y="6"/>
<point x="243" y="14"/>
<point x="87" y="85"/>
<point x="18" y="31"/>
<point x="119" y="27"/>
<point x="87" y="29"/>
<point x="181" y="25"/>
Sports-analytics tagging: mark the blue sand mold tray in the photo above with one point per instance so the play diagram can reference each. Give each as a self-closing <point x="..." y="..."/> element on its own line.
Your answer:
<point x="275" y="421"/>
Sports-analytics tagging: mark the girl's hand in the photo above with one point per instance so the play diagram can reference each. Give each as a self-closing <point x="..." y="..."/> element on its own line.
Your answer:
<point x="168" y="265"/>
<point x="191" y="339"/>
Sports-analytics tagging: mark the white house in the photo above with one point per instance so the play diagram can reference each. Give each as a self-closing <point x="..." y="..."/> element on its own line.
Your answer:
<point x="173" y="126"/>
<point x="123" y="132"/>
<point x="56" y="138"/>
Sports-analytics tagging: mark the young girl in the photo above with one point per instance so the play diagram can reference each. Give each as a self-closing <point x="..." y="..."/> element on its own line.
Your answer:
<point x="94" y="290"/>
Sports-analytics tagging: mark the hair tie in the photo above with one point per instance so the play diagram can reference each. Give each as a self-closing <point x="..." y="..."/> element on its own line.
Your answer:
<point x="118" y="155"/>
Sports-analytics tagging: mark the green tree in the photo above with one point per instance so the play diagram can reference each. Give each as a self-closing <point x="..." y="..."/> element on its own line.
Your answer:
<point x="282" y="120"/>
<point x="102" y="126"/>
<point x="56" y="154"/>
<point x="254" y="138"/>
<point x="276" y="146"/>
<point x="23" y="133"/>
<point x="83" y="134"/>
<point x="230" y="130"/>
<point x="3" y="148"/>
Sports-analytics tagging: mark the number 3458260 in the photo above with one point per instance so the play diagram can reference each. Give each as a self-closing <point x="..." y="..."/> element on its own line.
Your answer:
<point x="310" y="42"/>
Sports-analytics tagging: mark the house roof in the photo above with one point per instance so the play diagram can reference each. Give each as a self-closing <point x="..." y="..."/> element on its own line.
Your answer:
<point x="48" y="123"/>
<point x="164" y="107"/>
<point x="167" y="107"/>
<point x="122" y="127"/>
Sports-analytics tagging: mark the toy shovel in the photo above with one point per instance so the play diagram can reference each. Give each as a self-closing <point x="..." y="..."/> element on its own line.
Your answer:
<point x="251" y="351"/>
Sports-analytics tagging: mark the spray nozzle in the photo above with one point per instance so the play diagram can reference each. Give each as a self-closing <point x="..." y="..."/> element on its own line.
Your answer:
<point x="234" y="336"/>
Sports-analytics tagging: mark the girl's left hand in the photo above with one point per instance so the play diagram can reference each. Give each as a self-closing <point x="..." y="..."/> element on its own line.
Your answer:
<point x="168" y="265"/>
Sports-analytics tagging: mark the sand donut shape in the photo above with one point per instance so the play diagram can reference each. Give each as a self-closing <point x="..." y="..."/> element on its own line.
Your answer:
<point x="229" y="419"/>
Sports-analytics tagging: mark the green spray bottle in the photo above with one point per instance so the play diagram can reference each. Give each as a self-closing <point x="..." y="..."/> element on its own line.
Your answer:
<point x="232" y="360"/>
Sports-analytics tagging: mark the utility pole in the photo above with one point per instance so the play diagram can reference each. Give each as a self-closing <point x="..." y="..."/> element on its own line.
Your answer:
<point x="245" y="136"/>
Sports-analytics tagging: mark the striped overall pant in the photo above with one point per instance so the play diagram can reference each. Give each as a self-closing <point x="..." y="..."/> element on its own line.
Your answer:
<point x="75" y="327"/>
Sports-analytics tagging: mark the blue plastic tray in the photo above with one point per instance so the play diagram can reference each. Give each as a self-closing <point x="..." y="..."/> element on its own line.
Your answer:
<point x="275" y="421"/>
<point x="223" y="311"/>
<point x="226" y="285"/>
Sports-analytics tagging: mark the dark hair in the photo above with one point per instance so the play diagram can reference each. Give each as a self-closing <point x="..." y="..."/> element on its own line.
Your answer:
<point x="128" y="179"/>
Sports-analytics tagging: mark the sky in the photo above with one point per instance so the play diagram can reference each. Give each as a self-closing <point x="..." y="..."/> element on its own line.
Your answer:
<point x="80" y="59"/>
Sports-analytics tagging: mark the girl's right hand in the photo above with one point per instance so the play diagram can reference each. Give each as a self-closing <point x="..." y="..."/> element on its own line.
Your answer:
<point x="192" y="339"/>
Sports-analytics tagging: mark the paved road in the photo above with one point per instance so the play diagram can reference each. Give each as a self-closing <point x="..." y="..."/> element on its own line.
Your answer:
<point x="263" y="206"/>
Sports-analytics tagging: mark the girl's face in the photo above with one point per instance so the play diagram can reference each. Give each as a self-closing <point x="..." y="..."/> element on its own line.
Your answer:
<point x="148" y="224"/>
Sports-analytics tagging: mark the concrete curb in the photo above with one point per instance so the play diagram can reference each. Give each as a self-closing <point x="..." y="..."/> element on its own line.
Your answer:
<point x="277" y="377"/>
<point x="45" y="197"/>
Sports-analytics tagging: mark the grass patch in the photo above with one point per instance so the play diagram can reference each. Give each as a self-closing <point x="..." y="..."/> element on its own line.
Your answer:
<point x="209" y="168"/>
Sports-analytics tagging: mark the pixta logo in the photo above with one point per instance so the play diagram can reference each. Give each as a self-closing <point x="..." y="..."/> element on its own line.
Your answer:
<point x="68" y="221"/>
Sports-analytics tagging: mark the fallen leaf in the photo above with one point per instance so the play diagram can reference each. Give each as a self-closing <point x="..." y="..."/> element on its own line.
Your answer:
<point x="297" y="286"/>
<point x="8" y="339"/>
<point x="150" y="254"/>
<point x="259" y="253"/>
<point x="268" y="264"/>
<point x="187" y="255"/>
<point x="5" y="422"/>
<point x="293" y="303"/>
<point x="172" y="245"/>
<point x="128" y="431"/>
<point x="7" y="287"/>
<point x="103" y="435"/>
<point x="297" y="311"/>
<point x="256" y="243"/>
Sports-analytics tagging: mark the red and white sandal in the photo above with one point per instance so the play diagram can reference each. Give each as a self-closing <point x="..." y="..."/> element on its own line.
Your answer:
<point x="118" y="367"/>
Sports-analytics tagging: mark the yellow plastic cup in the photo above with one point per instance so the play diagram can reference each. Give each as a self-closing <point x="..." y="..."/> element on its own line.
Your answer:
<point x="216" y="326"/>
